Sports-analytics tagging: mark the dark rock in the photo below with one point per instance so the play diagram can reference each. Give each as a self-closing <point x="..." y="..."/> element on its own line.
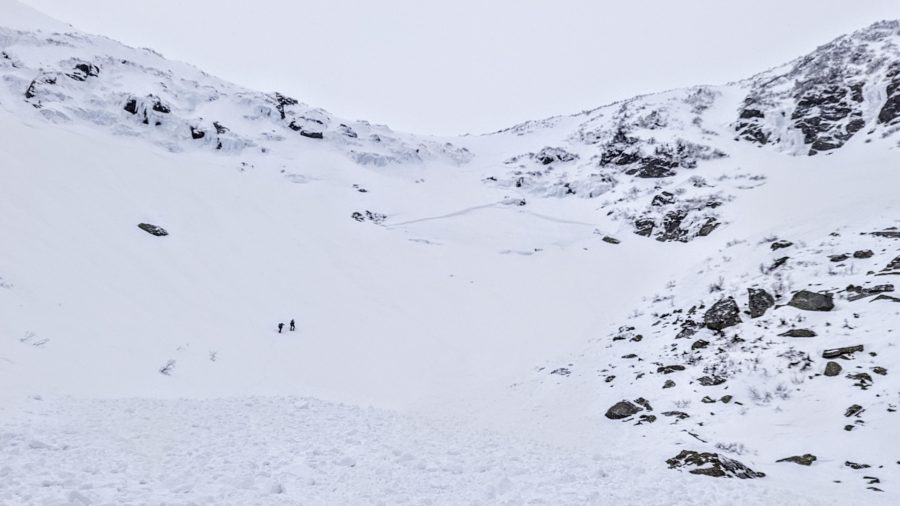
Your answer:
<point x="220" y="129"/>
<point x="663" y="199"/>
<point x="854" y="465"/>
<point x="880" y="371"/>
<point x="710" y="381"/>
<point x="804" y="460"/>
<point x="197" y="134"/>
<point x="781" y="244"/>
<point x="759" y="301"/>
<point x="160" y="107"/>
<point x="888" y="233"/>
<point x="84" y="70"/>
<point x="712" y="464"/>
<point x="622" y="409"/>
<point x="131" y="106"/>
<point x="312" y="135"/>
<point x="644" y="227"/>
<point x="863" y="253"/>
<point x="893" y="265"/>
<point x="832" y="369"/>
<point x="840" y="352"/>
<point x="859" y="292"/>
<point x="854" y="410"/>
<point x="726" y="399"/>
<point x="839" y="258"/>
<point x="707" y="400"/>
<point x="812" y="301"/>
<point x="890" y="111"/>
<point x="668" y="384"/>
<point x="798" y="333"/>
<point x="828" y="114"/>
<point x="862" y="379"/>
<point x="281" y="102"/>
<point x="887" y="298"/>
<point x="708" y="227"/>
<point x="611" y="240"/>
<point x="376" y="218"/>
<point x="723" y="314"/>
<point x="153" y="229"/>
<point x="681" y="415"/>
<point x="778" y="263"/>
<point x="644" y="403"/>
<point x="646" y="419"/>
<point x="668" y="369"/>
<point x="699" y="344"/>
<point x="562" y="371"/>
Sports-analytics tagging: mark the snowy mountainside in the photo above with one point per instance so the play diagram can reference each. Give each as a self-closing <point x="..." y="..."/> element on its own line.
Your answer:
<point x="641" y="256"/>
<point x="625" y="153"/>
<point x="75" y="77"/>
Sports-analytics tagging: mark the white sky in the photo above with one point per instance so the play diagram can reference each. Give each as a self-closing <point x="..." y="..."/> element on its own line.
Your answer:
<point x="472" y="65"/>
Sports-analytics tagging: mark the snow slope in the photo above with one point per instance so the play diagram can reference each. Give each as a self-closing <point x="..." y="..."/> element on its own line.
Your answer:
<point x="476" y="286"/>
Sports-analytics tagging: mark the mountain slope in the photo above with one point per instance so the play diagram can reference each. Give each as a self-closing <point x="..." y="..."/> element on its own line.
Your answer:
<point x="496" y="282"/>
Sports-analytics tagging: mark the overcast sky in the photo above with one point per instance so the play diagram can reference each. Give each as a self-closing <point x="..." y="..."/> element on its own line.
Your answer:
<point x="472" y="65"/>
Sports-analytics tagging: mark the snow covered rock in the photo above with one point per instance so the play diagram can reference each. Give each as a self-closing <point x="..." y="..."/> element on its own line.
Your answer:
<point x="622" y="409"/>
<point x="812" y="301"/>
<point x="759" y="301"/>
<point x="723" y="314"/>
<point x="711" y="464"/>
<point x="153" y="229"/>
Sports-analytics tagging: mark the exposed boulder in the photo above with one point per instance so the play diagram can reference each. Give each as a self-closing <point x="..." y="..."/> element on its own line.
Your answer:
<point x="669" y="369"/>
<point x="668" y="384"/>
<point x="804" y="460"/>
<point x="781" y="244"/>
<point x="840" y="352"/>
<point x="759" y="301"/>
<point x="82" y="71"/>
<point x="622" y="409"/>
<point x="863" y="253"/>
<point x="131" y="106"/>
<point x="798" y="333"/>
<point x="859" y="292"/>
<point x="854" y="410"/>
<point x="711" y="464"/>
<point x="723" y="314"/>
<point x="153" y="229"/>
<point x="812" y="301"/>
<point x="611" y="240"/>
<point x="893" y="265"/>
<point x="711" y="381"/>
<point x="832" y="368"/>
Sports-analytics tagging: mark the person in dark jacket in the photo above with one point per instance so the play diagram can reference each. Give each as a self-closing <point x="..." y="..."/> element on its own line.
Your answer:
<point x="292" y="325"/>
<point x="280" y="326"/>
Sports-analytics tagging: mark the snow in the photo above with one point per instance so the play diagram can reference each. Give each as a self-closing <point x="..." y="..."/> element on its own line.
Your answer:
<point x="276" y="450"/>
<point x="140" y="369"/>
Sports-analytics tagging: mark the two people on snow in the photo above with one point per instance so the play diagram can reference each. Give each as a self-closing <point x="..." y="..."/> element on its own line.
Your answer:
<point x="281" y="326"/>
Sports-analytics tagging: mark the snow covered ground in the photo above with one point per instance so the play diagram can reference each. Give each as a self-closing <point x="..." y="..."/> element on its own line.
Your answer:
<point x="468" y="309"/>
<point x="275" y="450"/>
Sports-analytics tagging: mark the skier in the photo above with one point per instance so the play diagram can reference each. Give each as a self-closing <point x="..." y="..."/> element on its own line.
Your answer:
<point x="292" y="325"/>
<point x="280" y="326"/>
